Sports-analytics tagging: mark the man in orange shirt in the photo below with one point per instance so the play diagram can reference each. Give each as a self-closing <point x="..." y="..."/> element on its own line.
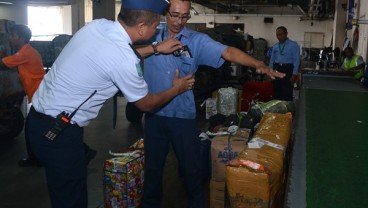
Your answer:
<point x="30" y="70"/>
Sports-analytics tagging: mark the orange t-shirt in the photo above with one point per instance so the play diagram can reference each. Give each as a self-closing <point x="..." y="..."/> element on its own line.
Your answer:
<point x="30" y="68"/>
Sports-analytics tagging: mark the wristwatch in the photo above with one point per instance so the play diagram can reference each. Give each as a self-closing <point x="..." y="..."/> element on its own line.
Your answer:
<point x="154" y="46"/>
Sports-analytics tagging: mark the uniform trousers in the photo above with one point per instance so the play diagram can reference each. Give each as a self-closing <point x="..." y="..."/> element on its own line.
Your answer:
<point x="31" y="156"/>
<point x="282" y="87"/>
<point x="63" y="159"/>
<point x="183" y="135"/>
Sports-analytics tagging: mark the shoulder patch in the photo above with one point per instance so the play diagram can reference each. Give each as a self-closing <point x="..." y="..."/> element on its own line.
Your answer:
<point x="139" y="69"/>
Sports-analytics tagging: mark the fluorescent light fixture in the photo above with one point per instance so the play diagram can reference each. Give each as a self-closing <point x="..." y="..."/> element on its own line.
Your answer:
<point x="5" y="2"/>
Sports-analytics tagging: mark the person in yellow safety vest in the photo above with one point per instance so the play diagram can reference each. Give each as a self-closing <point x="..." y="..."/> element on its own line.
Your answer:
<point x="353" y="62"/>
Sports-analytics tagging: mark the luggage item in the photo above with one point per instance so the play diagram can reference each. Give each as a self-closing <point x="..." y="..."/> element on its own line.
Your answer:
<point x="256" y="177"/>
<point x="227" y="101"/>
<point x="138" y="145"/>
<point x="256" y="112"/>
<point x="217" y="194"/>
<point x="222" y="151"/>
<point x="224" y="147"/>
<point x="255" y="90"/>
<point x="123" y="180"/>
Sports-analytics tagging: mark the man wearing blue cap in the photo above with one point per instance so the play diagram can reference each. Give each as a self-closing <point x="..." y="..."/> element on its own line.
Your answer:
<point x="96" y="63"/>
<point x="175" y="122"/>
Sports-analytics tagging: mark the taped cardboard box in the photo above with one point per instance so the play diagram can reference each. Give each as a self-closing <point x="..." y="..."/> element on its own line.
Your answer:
<point x="256" y="177"/>
<point x="217" y="190"/>
<point x="216" y="203"/>
<point x="220" y="152"/>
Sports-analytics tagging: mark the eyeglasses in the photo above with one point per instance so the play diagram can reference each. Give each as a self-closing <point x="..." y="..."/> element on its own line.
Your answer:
<point x="177" y="17"/>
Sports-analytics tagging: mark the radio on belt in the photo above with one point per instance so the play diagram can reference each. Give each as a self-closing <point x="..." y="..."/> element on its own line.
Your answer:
<point x="62" y="121"/>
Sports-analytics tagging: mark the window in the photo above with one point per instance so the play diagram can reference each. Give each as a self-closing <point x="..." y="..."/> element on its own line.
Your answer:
<point x="48" y="22"/>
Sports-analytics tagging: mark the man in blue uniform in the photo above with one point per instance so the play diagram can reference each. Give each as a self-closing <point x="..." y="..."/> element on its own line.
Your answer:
<point x="285" y="58"/>
<point x="96" y="63"/>
<point x="175" y="122"/>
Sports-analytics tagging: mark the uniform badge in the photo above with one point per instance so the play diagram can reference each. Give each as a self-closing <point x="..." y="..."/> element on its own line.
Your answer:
<point x="139" y="69"/>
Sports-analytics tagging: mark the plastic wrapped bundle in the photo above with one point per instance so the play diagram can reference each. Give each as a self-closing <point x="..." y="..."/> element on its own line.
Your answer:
<point x="276" y="106"/>
<point x="256" y="112"/>
<point x="256" y="177"/>
<point x="227" y="101"/>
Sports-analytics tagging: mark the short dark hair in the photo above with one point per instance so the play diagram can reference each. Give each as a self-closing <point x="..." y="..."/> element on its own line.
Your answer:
<point x="132" y="17"/>
<point x="349" y="49"/>
<point x="282" y="28"/>
<point x="22" y="31"/>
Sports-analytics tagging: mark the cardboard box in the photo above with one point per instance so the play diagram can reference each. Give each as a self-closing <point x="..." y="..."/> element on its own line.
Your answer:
<point x="256" y="177"/>
<point x="123" y="180"/>
<point x="217" y="190"/>
<point x="221" y="153"/>
<point x="217" y="195"/>
<point x="216" y="203"/>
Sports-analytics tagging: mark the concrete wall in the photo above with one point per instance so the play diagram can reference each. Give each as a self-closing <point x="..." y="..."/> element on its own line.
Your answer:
<point x="363" y="30"/>
<point x="104" y="9"/>
<point x="15" y="12"/>
<point x="255" y="26"/>
<point x="339" y="24"/>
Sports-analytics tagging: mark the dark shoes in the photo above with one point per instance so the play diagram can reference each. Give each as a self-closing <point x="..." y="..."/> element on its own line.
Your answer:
<point x="90" y="154"/>
<point x="27" y="162"/>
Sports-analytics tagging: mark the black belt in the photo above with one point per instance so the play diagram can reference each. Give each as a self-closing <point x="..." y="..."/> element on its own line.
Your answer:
<point x="43" y="117"/>
<point x="283" y="65"/>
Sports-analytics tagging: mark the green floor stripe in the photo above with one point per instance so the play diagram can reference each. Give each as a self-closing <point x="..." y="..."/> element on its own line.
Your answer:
<point x="337" y="149"/>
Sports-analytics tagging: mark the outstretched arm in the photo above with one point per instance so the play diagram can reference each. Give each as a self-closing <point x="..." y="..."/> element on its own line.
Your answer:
<point x="237" y="56"/>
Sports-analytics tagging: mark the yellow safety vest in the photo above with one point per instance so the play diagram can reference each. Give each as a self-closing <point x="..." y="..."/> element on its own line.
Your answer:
<point x="353" y="62"/>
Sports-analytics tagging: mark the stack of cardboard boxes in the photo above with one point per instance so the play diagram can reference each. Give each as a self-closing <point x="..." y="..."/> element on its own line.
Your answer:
<point x="256" y="178"/>
<point x="222" y="151"/>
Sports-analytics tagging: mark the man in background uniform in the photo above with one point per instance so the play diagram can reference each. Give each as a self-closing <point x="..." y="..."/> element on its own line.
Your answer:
<point x="285" y="58"/>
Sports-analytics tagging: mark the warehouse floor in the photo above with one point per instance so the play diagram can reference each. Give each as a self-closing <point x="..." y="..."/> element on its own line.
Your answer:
<point x="26" y="187"/>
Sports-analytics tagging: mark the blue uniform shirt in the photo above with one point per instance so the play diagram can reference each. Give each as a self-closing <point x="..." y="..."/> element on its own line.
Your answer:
<point x="159" y="70"/>
<point x="286" y="53"/>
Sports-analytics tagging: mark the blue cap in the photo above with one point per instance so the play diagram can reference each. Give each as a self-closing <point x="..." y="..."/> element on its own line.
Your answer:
<point x="155" y="6"/>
